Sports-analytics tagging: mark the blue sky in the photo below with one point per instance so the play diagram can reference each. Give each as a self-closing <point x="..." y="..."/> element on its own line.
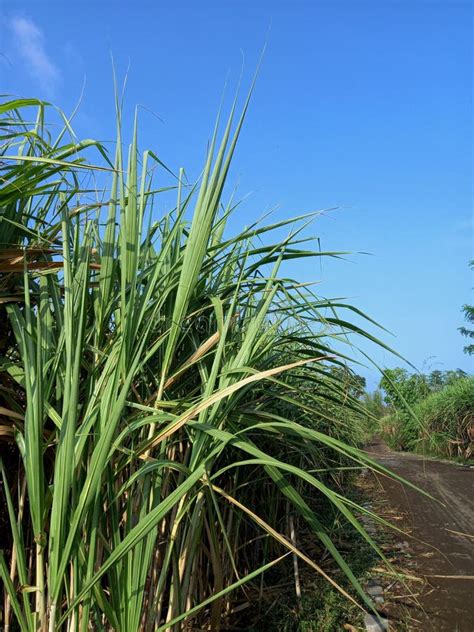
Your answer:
<point x="362" y="105"/>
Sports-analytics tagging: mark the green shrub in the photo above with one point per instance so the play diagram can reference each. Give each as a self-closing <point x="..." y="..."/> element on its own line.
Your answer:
<point x="397" y="433"/>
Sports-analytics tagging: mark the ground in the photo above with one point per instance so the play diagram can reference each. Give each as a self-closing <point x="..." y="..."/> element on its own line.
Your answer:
<point x="439" y="550"/>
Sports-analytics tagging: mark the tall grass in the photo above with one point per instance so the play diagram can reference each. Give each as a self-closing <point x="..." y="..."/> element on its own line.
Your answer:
<point x="442" y="423"/>
<point x="447" y="420"/>
<point x="166" y="386"/>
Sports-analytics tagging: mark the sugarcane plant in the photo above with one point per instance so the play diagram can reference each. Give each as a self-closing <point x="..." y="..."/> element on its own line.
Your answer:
<point x="166" y="390"/>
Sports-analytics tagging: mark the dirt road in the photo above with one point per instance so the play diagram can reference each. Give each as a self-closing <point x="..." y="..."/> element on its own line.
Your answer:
<point x="437" y="545"/>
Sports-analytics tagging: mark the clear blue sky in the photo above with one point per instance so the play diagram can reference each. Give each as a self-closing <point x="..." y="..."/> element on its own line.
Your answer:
<point x="362" y="105"/>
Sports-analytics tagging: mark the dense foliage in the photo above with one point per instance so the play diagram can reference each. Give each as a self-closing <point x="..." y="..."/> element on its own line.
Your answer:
<point x="447" y="419"/>
<point x="375" y="405"/>
<point x="429" y="413"/>
<point x="168" y="395"/>
<point x="402" y="388"/>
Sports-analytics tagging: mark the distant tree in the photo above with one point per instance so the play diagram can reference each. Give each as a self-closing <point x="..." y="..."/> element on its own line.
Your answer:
<point x="400" y="386"/>
<point x="469" y="317"/>
<point x="452" y="376"/>
<point x="374" y="403"/>
<point x="437" y="380"/>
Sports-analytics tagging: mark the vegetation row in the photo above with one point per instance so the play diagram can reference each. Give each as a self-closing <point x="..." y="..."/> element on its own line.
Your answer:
<point x="173" y="405"/>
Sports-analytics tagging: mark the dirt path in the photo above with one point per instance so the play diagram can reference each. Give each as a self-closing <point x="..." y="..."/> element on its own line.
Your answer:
<point x="447" y="603"/>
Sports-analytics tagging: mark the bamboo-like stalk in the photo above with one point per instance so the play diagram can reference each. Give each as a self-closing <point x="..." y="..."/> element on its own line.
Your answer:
<point x="296" y="571"/>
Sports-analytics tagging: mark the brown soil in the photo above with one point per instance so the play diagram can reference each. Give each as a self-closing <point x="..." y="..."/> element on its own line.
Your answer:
<point x="440" y="541"/>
